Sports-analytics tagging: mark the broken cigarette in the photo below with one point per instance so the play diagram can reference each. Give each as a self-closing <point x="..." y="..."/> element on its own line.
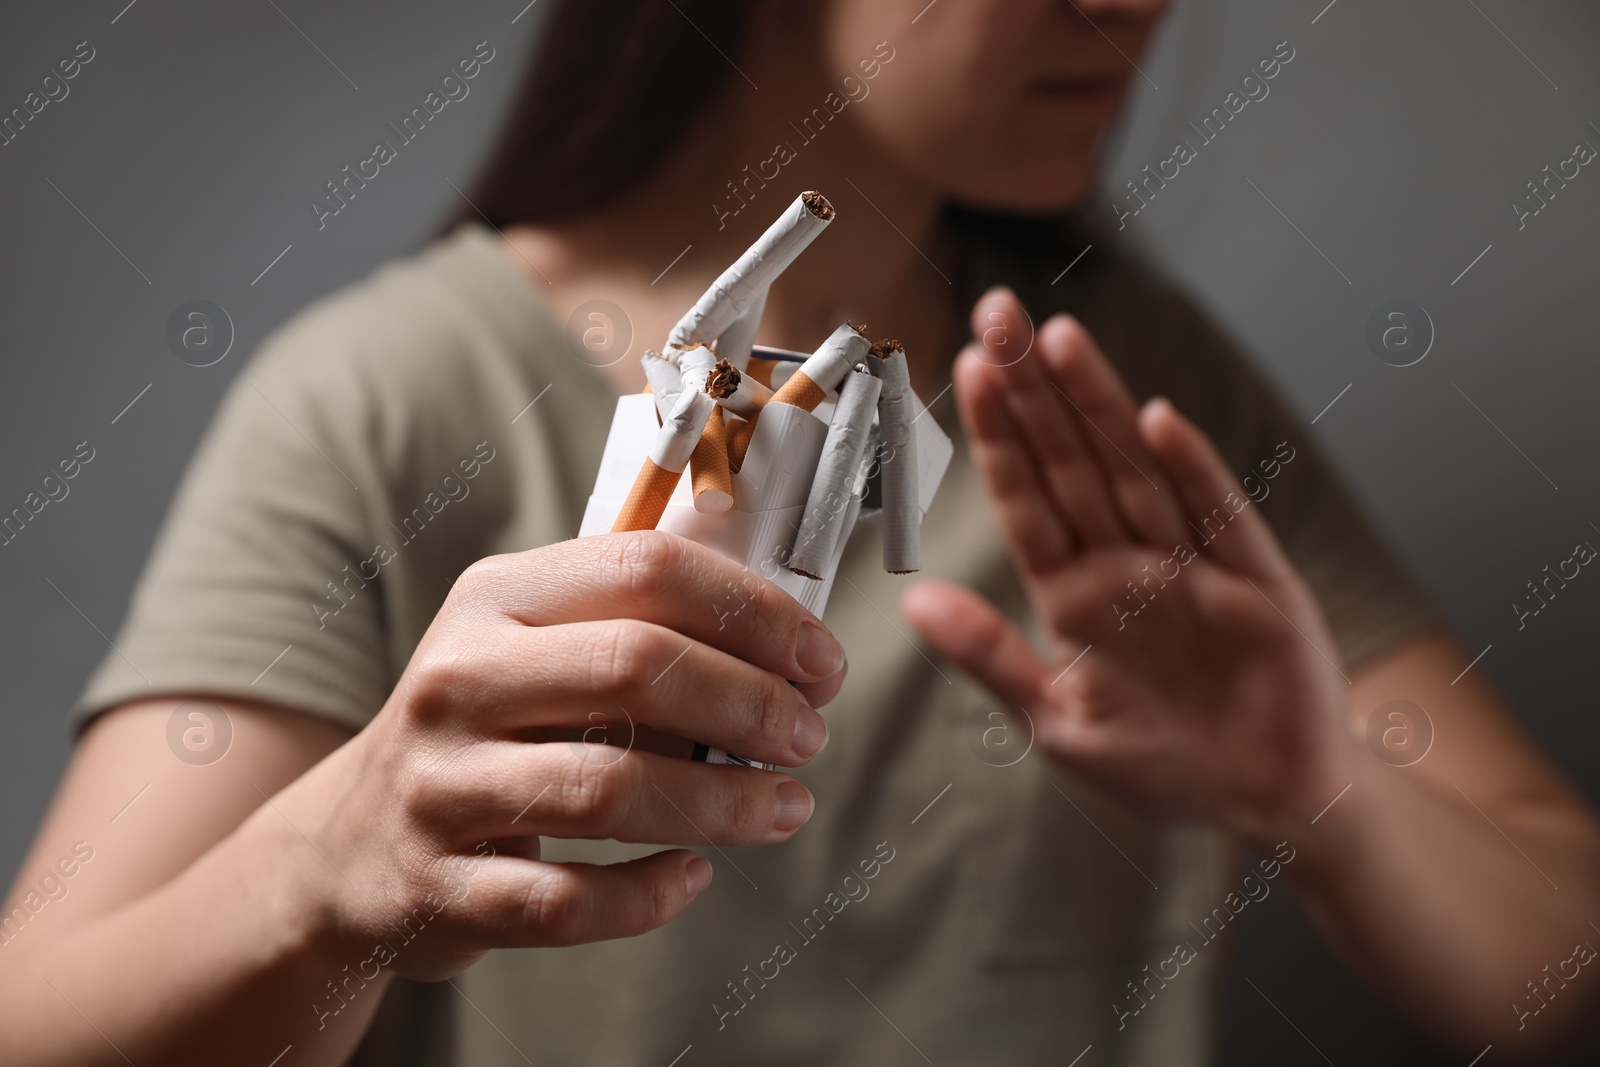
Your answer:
<point x="666" y="382"/>
<point x="828" y="502"/>
<point x="902" y="503"/>
<point x="738" y="393"/>
<point x="808" y="386"/>
<point x="743" y="284"/>
<point x="669" y="454"/>
<point x="708" y="467"/>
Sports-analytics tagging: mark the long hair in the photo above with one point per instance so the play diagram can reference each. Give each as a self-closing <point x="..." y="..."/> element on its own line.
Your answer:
<point x="599" y="107"/>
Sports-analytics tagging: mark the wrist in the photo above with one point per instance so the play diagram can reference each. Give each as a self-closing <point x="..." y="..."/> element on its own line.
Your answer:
<point x="303" y="897"/>
<point x="1331" y="830"/>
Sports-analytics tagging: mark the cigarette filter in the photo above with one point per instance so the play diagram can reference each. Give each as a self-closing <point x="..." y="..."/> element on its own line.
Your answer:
<point x="674" y="443"/>
<point x="828" y="502"/>
<point x="808" y="386"/>
<point x="746" y="281"/>
<point x="761" y="370"/>
<point x="902" y="506"/>
<point x="713" y="482"/>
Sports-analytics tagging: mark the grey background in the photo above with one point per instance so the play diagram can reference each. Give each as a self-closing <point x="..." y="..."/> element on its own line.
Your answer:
<point x="197" y="134"/>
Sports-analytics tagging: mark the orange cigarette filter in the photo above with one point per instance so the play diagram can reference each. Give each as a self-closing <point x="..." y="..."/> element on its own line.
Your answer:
<point x="674" y="443"/>
<point x="807" y="387"/>
<point x="647" y="499"/>
<point x="713" y="481"/>
<point x="761" y="370"/>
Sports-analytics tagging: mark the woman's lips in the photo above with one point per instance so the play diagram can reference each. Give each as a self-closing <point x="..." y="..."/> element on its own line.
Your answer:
<point x="1086" y="91"/>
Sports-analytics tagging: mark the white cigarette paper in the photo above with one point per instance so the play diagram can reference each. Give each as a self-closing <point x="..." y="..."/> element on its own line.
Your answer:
<point x="738" y="339"/>
<point x="665" y="382"/>
<point x="694" y="365"/>
<point x="843" y="349"/>
<point x="829" y="499"/>
<point x="746" y="281"/>
<point x="681" y="430"/>
<point x="902" y="508"/>
<point x="739" y="394"/>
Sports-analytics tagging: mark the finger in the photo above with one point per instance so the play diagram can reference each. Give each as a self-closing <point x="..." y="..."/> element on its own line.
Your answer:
<point x="1219" y="511"/>
<point x="612" y="792"/>
<point x="967" y="630"/>
<point x="523" y="903"/>
<point x="1099" y="400"/>
<point x="661" y="578"/>
<point x="1041" y="537"/>
<point x="1001" y="327"/>
<point x="1044" y="422"/>
<point x="604" y="676"/>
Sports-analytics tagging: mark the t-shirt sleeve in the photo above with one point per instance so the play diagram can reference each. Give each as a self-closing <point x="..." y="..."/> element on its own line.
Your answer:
<point x="269" y="517"/>
<point x="1370" y="601"/>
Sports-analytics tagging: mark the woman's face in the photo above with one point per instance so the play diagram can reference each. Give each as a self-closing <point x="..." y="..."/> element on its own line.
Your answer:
<point x="1000" y="104"/>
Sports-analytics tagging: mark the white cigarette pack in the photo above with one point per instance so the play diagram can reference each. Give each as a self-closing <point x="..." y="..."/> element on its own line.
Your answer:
<point x="769" y="491"/>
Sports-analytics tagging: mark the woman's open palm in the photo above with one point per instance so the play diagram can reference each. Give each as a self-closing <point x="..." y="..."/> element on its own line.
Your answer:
<point x="1191" y="672"/>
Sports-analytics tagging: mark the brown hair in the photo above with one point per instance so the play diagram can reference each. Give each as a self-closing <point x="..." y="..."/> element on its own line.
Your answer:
<point x="599" y="107"/>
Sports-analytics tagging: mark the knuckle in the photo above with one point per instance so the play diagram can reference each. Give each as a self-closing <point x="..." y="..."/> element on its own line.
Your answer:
<point x="557" y="908"/>
<point x="621" y="654"/>
<point x="646" y="561"/>
<point x="599" y="795"/>
<point x="437" y="678"/>
<point x="745" y="809"/>
<point x="663" y="902"/>
<point x="484" y="575"/>
<point x="774" y="714"/>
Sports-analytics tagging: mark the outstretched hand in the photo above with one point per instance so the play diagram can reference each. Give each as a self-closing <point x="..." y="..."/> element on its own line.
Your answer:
<point x="1190" y="671"/>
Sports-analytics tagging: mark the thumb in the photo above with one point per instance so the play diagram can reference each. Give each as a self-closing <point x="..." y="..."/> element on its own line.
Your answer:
<point x="968" y="630"/>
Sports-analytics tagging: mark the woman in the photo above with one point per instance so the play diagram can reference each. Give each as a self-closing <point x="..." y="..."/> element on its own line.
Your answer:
<point x="365" y="585"/>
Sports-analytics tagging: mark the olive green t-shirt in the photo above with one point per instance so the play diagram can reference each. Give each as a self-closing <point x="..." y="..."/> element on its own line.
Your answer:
<point x="956" y="897"/>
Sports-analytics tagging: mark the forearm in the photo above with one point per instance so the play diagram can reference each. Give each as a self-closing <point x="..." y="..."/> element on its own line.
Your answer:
<point x="1452" y="916"/>
<point x="230" y="962"/>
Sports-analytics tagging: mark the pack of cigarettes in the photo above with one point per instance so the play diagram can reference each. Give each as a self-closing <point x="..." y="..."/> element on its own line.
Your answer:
<point x="785" y="452"/>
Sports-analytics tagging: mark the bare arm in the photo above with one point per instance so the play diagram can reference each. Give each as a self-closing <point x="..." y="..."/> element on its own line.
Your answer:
<point x="1208" y="691"/>
<point x="187" y="924"/>
<point x="267" y="899"/>
<point x="1456" y="881"/>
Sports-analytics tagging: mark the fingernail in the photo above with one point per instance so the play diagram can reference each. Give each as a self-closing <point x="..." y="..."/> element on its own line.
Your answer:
<point x="819" y="655"/>
<point x="696" y="875"/>
<point x="810" y="734"/>
<point x="1000" y="291"/>
<point x="794" y="806"/>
